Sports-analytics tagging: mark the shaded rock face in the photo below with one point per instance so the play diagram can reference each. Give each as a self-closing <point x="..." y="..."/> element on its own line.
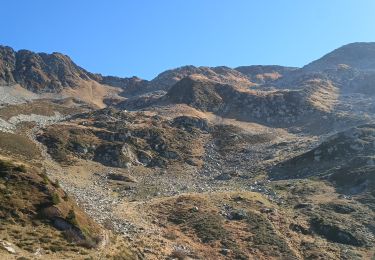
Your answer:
<point x="142" y="101"/>
<point x="144" y="157"/>
<point x="131" y="86"/>
<point x="273" y="107"/>
<point x="346" y="159"/>
<point x="363" y="83"/>
<point x="188" y="123"/>
<point x="115" y="155"/>
<point x="62" y="224"/>
<point x="334" y="233"/>
<point x="7" y="65"/>
<point x="340" y="208"/>
<point x="119" y="177"/>
<point x="196" y="93"/>
<point x="40" y="72"/>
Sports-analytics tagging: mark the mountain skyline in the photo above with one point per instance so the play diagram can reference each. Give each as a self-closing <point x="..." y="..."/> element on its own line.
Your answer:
<point x="127" y="35"/>
<point x="354" y="46"/>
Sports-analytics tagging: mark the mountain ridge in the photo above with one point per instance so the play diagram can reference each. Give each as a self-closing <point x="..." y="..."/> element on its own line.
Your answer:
<point x="253" y="162"/>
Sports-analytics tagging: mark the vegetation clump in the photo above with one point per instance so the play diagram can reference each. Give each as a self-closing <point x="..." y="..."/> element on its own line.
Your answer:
<point x="55" y="199"/>
<point x="265" y="237"/>
<point x="71" y="217"/>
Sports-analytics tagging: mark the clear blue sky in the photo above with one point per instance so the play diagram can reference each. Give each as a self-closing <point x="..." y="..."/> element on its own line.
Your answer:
<point x="145" y="37"/>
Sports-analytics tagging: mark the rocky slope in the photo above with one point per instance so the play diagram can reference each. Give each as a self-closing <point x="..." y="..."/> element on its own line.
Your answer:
<point x="121" y="139"/>
<point x="359" y="56"/>
<point x="165" y="80"/>
<point x="257" y="162"/>
<point x="350" y="67"/>
<point x="345" y="158"/>
<point x="29" y="196"/>
<point x="316" y="98"/>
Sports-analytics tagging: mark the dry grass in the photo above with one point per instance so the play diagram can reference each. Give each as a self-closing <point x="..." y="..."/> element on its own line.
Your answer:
<point x="91" y="92"/>
<point x="29" y="206"/>
<point x="38" y="107"/>
<point x="18" y="146"/>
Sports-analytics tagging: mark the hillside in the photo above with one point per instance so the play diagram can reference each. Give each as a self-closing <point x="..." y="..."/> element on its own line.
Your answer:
<point x="253" y="162"/>
<point x="345" y="158"/>
<point x="264" y="74"/>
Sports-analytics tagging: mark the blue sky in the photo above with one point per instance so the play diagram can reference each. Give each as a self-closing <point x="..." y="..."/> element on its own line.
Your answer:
<point x="145" y="37"/>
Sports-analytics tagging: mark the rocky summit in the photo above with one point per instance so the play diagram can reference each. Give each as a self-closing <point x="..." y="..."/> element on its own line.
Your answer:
<point x="253" y="162"/>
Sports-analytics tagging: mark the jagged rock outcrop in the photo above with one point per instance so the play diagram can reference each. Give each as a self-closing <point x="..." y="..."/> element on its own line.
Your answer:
<point x="130" y="86"/>
<point x="201" y="94"/>
<point x="279" y="107"/>
<point x="334" y="233"/>
<point x="40" y="72"/>
<point x="121" y="155"/>
<point x="112" y="138"/>
<point x="189" y="123"/>
<point x="7" y="65"/>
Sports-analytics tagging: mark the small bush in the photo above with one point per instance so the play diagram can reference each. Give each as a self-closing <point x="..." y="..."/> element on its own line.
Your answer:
<point x="55" y="199"/>
<point x="71" y="218"/>
<point x="87" y="243"/>
<point x="72" y="235"/>
<point x="65" y="197"/>
<point x="179" y="254"/>
<point x="23" y="258"/>
<point x="56" y="248"/>
<point x="56" y="184"/>
<point x="5" y="167"/>
<point x="45" y="178"/>
<point x="20" y="168"/>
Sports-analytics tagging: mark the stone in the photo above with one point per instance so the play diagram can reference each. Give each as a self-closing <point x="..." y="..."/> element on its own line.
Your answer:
<point x="8" y="247"/>
<point x="223" y="177"/>
<point x="237" y="215"/>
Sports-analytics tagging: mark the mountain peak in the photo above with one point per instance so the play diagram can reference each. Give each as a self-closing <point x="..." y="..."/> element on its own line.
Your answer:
<point x="39" y="72"/>
<point x="358" y="55"/>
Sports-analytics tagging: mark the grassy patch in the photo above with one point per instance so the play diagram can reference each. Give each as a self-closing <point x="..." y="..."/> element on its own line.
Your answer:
<point x="38" y="107"/>
<point x="207" y="226"/>
<point x="265" y="238"/>
<point x="18" y="146"/>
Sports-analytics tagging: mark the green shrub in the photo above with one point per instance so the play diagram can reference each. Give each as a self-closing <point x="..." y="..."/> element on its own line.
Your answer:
<point x="44" y="177"/>
<point x="66" y="196"/>
<point x="71" y="217"/>
<point x="55" y="199"/>
<point x="20" y="168"/>
<point x="5" y="167"/>
<point x="56" y="184"/>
